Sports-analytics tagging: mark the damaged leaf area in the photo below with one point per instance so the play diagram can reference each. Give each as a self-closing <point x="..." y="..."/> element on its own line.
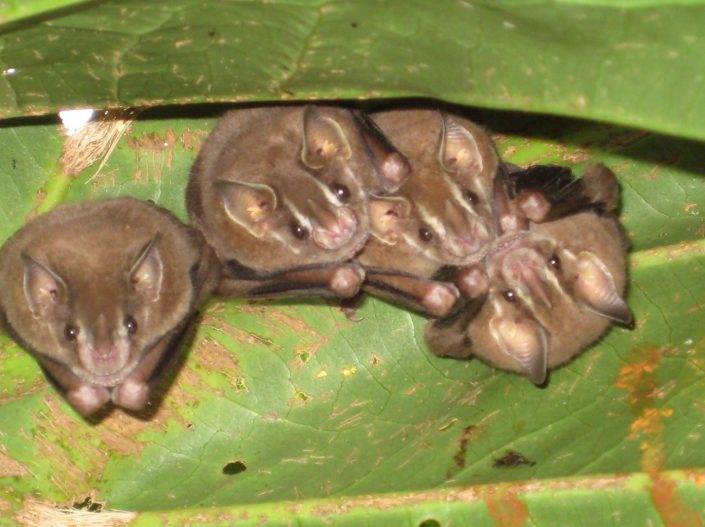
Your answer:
<point x="275" y="403"/>
<point x="593" y="59"/>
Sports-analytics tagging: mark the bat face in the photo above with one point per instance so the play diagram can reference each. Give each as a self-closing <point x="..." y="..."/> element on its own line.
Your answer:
<point x="442" y="211"/>
<point x="440" y="215"/>
<point x="550" y="291"/>
<point x="99" y="291"/>
<point x="281" y="187"/>
<point x="553" y="291"/>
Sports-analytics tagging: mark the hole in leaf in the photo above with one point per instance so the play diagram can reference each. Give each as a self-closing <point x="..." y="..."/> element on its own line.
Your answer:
<point x="233" y="468"/>
<point x="430" y="523"/>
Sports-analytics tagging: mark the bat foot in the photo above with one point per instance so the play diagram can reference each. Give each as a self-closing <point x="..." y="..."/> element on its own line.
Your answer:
<point x="510" y="222"/>
<point x="534" y="205"/>
<point x="473" y="282"/>
<point x="87" y="399"/>
<point x="131" y="395"/>
<point x="439" y="299"/>
<point x="346" y="280"/>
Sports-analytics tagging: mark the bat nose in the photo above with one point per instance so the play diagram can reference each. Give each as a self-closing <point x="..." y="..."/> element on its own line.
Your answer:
<point x="469" y="234"/>
<point x="102" y="346"/>
<point x="524" y="270"/>
<point x="468" y="239"/>
<point x="334" y="229"/>
<point x="537" y="287"/>
<point x="99" y="354"/>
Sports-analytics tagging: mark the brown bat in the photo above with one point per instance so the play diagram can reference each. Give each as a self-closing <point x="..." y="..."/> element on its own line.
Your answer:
<point x="551" y="290"/>
<point x="440" y="216"/>
<point x="99" y="292"/>
<point x="279" y="192"/>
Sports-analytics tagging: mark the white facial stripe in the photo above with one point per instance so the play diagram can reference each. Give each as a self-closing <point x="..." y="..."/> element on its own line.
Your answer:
<point x="553" y="279"/>
<point x="435" y="223"/>
<point x="457" y="193"/>
<point x="571" y="256"/>
<point x="304" y="220"/>
<point x="424" y="249"/>
<point x="327" y="192"/>
<point x="497" y="304"/>
<point x="281" y="239"/>
<point x="355" y="183"/>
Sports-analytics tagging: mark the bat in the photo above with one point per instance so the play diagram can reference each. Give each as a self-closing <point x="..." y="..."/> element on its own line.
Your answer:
<point x="553" y="288"/>
<point x="280" y="194"/>
<point x="99" y="292"/>
<point x="442" y="213"/>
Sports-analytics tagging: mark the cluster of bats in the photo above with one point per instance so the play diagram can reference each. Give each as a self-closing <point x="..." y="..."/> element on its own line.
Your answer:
<point x="523" y="268"/>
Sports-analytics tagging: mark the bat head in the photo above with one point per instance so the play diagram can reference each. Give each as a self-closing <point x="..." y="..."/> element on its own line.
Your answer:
<point x="98" y="323"/>
<point x="280" y="187"/>
<point x="553" y="292"/>
<point x="98" y="291"/>
<point x="442" y="211"/>
<point x="307" y="221"/>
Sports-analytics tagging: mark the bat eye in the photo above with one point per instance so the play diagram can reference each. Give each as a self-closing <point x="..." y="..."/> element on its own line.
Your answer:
<point x="425" y="234"/>
<point x="555" y="262"/>
<point x="472" y="197"/>
<point x="131" y="325"/>
<point x="299" y="231"/>
<point x="509" y="296"/>
<point x="341" y="192"/>
<point x="71" y="332"/>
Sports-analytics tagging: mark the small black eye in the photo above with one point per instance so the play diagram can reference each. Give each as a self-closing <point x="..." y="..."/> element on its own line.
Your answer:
<point x="341" y="192"/>
<point x="554" y="262"/>
<point x="509" y="296"/>
<point x="71" y="332"/>
<point x="299" y="231"/>
<point x="472" y="198"/>
<point x="131" y="325"/>
<point x="425" y="234"/>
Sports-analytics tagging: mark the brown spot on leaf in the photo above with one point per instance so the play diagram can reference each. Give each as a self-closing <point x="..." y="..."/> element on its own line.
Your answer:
<point x="506" y="508"/>
<point x="512" y="459"/>
<point x="468" y="434"/>
<point x="10" y="467"/>
<point x="153" y="153"/>
<point x="212" y="356"/>
<point x="673" y="510"/>
<point x="67" y="447"/>
<point x="640" y="381"/>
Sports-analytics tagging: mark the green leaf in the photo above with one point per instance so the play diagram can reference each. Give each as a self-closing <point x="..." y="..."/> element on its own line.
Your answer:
<point x="633" y="63"/>
<point x="291" y="413"/>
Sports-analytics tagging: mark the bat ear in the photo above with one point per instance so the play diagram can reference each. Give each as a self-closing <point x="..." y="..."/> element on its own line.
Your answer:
<point x="147" y="271"/>
<point x="389" y="162"/>
<point x="524" y="340"/>
<point x="595" y="289"/>
<point x="385" y="215"/>
<point x="323" y="139"/>
<point x="248" y="204"/>
<point x="458" y="150"/>
<point x="43" y="288"/>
